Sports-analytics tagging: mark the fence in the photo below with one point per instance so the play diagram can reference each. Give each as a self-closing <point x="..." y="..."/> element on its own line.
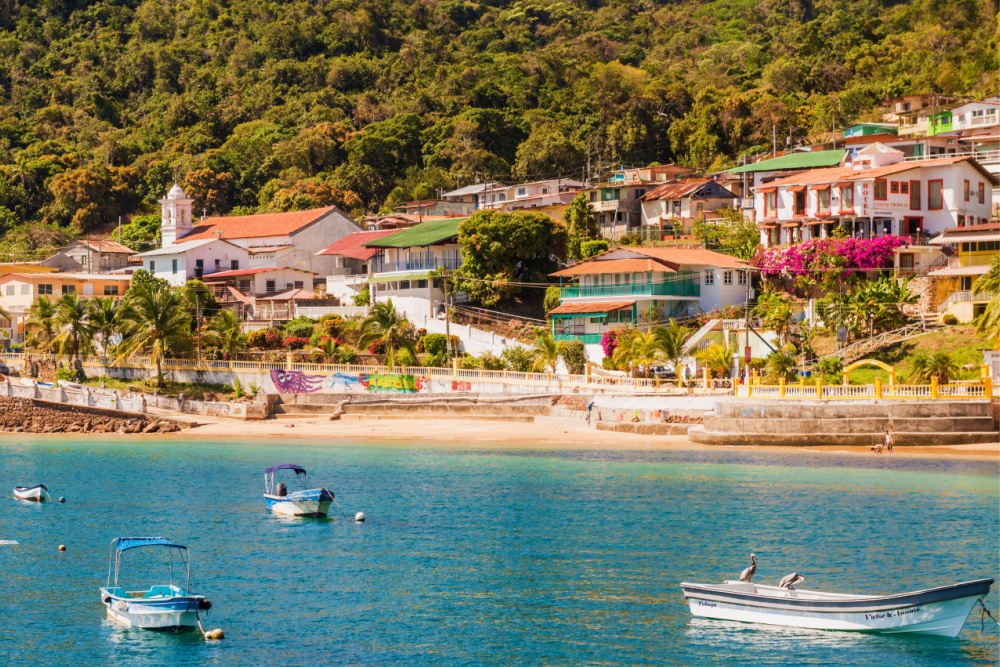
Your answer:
<point x="84" y="397"/>
<point x="819" y="391"/>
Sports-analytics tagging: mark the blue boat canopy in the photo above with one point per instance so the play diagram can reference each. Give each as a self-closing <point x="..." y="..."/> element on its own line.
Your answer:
<point x="125" y="543"/>
<point x="299" y="470"/>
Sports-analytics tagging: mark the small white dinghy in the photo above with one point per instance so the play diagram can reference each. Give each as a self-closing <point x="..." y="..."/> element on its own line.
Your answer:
<point x="935" y="611"/>
<point x="36" y="493"/>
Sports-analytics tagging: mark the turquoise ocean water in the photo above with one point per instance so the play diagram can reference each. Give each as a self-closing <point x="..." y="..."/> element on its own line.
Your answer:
<point x="479" y="556"/>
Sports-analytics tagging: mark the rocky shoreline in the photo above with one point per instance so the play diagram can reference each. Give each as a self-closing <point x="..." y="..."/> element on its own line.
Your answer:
<point x="25" y="415"/>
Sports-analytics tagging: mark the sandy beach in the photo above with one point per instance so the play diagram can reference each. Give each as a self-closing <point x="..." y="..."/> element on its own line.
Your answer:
<point x="516" y="435"/>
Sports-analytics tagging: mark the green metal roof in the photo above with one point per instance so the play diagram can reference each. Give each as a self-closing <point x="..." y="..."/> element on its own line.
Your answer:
<point x="424" y="234"/>
<point x="797" y="160"/>
<point x="404" y="276"/>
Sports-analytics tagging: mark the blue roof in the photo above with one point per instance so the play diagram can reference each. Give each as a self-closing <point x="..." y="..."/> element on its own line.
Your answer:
<point x="286" y="466"/>
<point x="125" y="543"/>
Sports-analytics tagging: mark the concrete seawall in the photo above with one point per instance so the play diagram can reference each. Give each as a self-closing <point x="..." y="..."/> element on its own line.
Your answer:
<point x="855" y="423"/>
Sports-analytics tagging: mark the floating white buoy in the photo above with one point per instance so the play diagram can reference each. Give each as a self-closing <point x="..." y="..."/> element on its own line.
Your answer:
<point x="61" y="499"/>
<point x="359" y="517"/>
<point x="62" y="547"/>
<point x="215" y="634"/>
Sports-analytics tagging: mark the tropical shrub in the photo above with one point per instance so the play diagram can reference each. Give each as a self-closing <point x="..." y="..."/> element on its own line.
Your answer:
<point x="924" y="366"/>
<point x="612" y="337"/>
<point x="552" y="298"/>
<point x="950" y="320"/>
<point x="301" y="327"/>
<point x="591" y="248"/>
<point x="435" y="344"/>
<point x="406" y="358"/>
<point x="780" y="365"/>
<point x="574" y="355"/>
<point x="813" y="259"/>
<point x="272" y="339"/>
<point x="490" y="362"/>
<point x="347" y="354"/>
<point x="377" y="346"/>
<point x="295" y="342"/>
<point x="517" y="359"/>
<point x="256" y="340"/>
<point x="363" y="298"/>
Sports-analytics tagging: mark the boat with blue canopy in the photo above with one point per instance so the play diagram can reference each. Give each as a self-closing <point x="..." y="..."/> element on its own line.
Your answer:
<point x="159" y="607"/>
<point x="307" y="502"/>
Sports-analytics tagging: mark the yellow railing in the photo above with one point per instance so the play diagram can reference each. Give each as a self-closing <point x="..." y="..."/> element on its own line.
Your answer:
<point x="983" y="388"/>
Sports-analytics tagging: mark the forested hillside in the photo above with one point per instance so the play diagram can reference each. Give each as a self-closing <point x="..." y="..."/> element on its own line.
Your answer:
<point x="274" y="105"/>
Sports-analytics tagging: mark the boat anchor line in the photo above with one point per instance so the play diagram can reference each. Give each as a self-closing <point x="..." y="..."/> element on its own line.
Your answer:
<point x="983" y="614"/>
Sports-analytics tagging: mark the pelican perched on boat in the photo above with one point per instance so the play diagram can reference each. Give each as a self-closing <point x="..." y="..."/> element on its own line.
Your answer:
<point x="790" y="580"/>
<point x="750" y="571"/>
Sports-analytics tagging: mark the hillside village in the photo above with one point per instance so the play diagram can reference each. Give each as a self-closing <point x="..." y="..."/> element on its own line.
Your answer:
<point x="648" y="270"/>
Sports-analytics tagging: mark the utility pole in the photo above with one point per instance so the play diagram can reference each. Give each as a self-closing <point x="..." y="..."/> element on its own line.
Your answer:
<point x="746" y="316"/>
<point x="774" y="140"/>
<point x="447" y="315"/>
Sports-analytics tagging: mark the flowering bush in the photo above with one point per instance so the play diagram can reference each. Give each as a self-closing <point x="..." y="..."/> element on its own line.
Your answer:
<point x="813" y="259"/>
<point x="295" y="342"/>
<point x="272" y="339"/>
<point x="727" y="313"/>
<point x="377" y="347"/>
<point x="611" y="338"/>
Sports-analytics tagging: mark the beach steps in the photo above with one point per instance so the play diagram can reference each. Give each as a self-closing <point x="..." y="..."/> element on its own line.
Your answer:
<point x="414" y="409"/>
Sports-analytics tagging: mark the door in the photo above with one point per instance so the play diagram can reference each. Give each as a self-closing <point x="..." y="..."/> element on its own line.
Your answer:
<point x="913" y="227"/>
<point x="906" y="262"/>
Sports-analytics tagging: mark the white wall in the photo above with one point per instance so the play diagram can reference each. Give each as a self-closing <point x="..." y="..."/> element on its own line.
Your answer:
<point x="186" y="261"/>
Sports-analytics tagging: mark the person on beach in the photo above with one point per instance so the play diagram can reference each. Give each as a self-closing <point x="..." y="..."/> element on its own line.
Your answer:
<point x="888" y="441"/>
<point x="590" y="408"/>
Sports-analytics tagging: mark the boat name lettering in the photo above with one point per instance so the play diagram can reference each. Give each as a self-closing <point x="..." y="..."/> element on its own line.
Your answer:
<point x="891" y="614"/>
<point x="702" y="603"/>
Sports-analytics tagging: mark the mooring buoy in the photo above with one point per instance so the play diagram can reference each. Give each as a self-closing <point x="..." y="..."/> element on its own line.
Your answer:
<point x="62" y="547"/>
<point x="61" y="499"/>
<point x="359" y="517"/>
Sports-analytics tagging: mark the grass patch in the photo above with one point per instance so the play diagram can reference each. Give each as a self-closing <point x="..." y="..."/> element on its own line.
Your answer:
<point x="960" y="342"/>
<point x="194" y="390"/>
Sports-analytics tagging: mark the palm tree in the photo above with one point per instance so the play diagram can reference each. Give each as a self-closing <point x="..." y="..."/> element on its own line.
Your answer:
<point x="717" y="358"/>
<point x="925" y="366"/>
<point x="639" y="350"/>
<point x="225" y="331"/>
<point x="41" y="324"/>
<point x="546" y="353"/>
<point x="104" y="319"/>
<point x="152" y="320"/>
<point x="75" y="333"/>
<point x="988" y="323"/>
<point x="779" y="319"/>
<point x="325" y="351"/>
<point x="385" y="325"/>
<point x="780" y="365"/>
<point x="670" y="341"/>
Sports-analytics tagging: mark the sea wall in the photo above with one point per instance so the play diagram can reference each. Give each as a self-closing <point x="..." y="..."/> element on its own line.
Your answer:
<point x="864" y="423"/>
<point x="32" y="415"/>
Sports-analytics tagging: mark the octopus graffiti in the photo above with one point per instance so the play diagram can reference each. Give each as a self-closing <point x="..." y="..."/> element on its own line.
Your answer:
<point x="296" y="382"/>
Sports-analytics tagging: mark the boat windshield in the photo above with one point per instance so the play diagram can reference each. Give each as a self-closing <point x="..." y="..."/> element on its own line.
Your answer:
<point x="120" y="545"/>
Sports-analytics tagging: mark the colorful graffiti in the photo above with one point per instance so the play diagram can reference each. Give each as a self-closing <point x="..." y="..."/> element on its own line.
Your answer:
<point x="345" y="382"/>
<point x="392" y="383"/>
<point x="458" y="385"/>
<point x="296" y="382"/>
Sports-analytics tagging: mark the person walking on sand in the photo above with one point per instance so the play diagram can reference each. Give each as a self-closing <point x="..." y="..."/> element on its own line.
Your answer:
<point x="888" y="441"/>
<point x="590" y="408"/>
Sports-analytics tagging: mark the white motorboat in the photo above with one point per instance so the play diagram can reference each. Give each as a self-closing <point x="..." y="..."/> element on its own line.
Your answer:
<point x="159" y="607"/>
<point x="935" y="611"/>
<point x="307" y="502"/>
<point x="36" y="493"/>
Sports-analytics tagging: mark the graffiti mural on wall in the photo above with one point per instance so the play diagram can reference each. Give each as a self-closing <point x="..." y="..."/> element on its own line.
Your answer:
<point x="392" y="383"/>
<point x="296" y="382"/>
<point x="345" y="382"/>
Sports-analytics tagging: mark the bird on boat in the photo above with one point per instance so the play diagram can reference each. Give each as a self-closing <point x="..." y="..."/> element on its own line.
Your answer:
<point x="750" y="571"/>
<point x="790" y="581"/>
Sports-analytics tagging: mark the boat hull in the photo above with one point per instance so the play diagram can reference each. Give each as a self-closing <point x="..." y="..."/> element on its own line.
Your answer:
<point x="940" y="611"/>
<point x="32" y="493"/>
<point x="314" y="503"/>
<point x="166" y="614"/>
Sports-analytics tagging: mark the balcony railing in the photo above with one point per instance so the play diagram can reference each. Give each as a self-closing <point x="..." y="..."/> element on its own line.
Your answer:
<point x="419" y="265"/>
<point x="587" y="339"/>
<point x="684" y="284"/>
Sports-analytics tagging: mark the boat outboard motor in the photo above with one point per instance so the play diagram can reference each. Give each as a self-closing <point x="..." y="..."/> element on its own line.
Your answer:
<point x="280" y="490"/>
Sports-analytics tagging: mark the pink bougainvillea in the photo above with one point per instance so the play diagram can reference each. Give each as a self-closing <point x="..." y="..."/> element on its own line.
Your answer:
<point x="609" y="342"/>
<point x="815" y="258"/>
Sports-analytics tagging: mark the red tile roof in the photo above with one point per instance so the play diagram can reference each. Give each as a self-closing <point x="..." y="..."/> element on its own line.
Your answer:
<point x="352" y="245"/>
<point x="256" y="226"/>
<point x="584" y="308"/>
<point x="674" y="190"/>
<point x="248" y="272"/>
<point x="614" y="266"/>
<point x="835" y="174"/>
<point x="675" y="257"/>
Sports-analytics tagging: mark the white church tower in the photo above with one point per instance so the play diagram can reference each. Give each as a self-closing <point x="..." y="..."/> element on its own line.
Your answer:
<point x="175" y="216"/>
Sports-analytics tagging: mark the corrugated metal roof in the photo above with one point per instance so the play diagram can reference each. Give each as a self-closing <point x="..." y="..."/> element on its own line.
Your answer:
<point x="798" y="160"/>
<point x="970" y="237"/>
<point x="592" y="308"/>
<point x="424" y="234"/>
<point x="674" y="190"/>
<point x="402" y="276"/>
<point x="353" y="245"/>
<point x="954" y="271"/>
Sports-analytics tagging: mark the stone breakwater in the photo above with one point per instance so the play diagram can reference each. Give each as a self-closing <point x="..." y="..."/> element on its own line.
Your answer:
<point x="25" y="415"/>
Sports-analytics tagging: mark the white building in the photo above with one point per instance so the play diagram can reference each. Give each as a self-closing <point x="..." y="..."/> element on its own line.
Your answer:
<point x="877" y="194"/>
<point x="675" y="206"/>
<point x="179" y="262"/>
<point x="352" y="260"/>
<point x="269" y="239"/>
<point x="643" y="285"/>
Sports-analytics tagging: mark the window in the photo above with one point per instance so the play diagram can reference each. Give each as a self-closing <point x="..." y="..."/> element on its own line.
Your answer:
<point x="982" y="193"/>
<point x="966" y="283"/>
<point x="10" y="290"/>
<point x="823" y="201"/>
<point x="243" y="285"/>
<point x="618" y="193"/>
<point x="298" y="284"/>
<point x="270" y="285"/>
<point x="69" y="289"/>
<point x="111" y="290"/>
<point x="906" y="106"/>
<point x="904" y="188"/>
<point x="521" y="192"/>
<point x="234" y="265"/>
<point x="800" y="202"/>
<point x="709" y="276"/>
<point x="45" y="289"/>
<point x="966" y="189"/>
<point x="404" y="284"/>
<point x="880" y="194"/>
<point x="199" y="265"/>
<point x="173" y="264"/>
<point x="88" y="289"/>
<point x="593" y="195"/>
<point x="935" y="200"/>
<point x="770" y="204"/>
<point x="545" y="191"/>
<point x="727" y="277"/>
<point x="25" y="289"/>
<point x="915" y="195"/>
<point x="421" y="284"/>
<point x="847" y="198"/>
<point x="741" y="277"/>
<point x="152" y="266"/>
<point x="894" y="187"/>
